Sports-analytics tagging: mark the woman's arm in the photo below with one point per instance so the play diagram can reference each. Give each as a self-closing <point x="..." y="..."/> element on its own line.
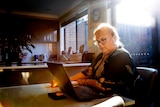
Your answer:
<point x="77" y="76"/>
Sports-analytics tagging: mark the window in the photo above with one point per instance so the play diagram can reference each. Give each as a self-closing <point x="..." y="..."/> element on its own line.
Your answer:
<point x="75" y="34"/>
<point x="136" y="27"/>
<point x="70" y="36"/>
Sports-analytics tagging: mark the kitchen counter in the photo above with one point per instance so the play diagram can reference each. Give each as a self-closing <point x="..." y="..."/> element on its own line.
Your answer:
<point x="27" y="65"/>
<point x="29" y="73"/>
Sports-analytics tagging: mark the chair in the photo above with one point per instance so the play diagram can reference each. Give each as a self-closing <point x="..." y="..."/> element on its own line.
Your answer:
<point x="69" y="50"/>
<point x="145" y="86"/>
<point x="88" y="57"/>
<point x="81" y="49"/>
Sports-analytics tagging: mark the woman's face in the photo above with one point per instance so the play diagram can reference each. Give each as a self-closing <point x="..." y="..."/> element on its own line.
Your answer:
<point x="106" y="42"/>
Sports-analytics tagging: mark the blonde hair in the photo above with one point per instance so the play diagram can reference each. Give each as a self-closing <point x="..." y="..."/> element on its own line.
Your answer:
<point x="105" y="28"/>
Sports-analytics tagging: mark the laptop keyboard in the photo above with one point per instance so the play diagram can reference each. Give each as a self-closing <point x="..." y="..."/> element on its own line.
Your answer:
<point x="85" y="93"/>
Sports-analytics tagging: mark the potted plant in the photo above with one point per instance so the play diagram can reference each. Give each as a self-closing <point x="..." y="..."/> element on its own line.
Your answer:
<point x="12" y="47"/>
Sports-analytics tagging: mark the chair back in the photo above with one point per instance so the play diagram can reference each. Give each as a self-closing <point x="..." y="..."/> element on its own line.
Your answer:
<point x="145" y="86"/>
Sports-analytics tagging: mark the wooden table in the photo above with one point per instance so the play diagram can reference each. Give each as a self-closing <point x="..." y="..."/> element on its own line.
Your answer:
<point x="37" y="96"/>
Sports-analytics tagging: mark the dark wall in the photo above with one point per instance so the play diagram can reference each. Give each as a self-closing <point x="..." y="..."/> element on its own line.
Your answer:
<point x="157" y="104"/>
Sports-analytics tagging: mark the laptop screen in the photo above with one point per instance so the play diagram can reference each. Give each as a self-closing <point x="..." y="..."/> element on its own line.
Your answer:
<point x="61" y="77"/>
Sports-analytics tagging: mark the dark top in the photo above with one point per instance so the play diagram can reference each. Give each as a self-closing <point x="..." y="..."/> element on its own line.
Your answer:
<point x="119" y="73"/>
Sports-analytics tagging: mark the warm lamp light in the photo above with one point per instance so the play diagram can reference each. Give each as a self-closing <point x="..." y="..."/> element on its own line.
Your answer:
<point x="54" y="84"/>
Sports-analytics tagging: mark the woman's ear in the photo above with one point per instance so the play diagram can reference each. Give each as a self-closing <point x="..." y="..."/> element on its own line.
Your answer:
<point x="114" y="38"/>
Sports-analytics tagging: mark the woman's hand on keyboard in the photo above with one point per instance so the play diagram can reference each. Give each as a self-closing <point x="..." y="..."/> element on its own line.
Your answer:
<point x="91" y="82"/>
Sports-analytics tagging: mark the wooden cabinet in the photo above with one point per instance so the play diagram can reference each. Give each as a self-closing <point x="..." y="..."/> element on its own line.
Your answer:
<point x="48" y="37"/>
<point x="42" y="30"/>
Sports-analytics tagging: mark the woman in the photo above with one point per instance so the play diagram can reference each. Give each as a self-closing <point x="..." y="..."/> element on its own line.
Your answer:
<point x="113" y="71"/>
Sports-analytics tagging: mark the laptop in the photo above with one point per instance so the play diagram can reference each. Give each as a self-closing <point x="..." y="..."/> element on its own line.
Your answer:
<point x="80" y="93"/>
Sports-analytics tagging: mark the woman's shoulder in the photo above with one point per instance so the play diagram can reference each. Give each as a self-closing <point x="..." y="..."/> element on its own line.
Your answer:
<point x="120" y="51"/>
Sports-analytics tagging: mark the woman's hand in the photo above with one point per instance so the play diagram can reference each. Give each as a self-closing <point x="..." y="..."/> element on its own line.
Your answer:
<point x="53" y="84"/>
<point x="91" y="82"/>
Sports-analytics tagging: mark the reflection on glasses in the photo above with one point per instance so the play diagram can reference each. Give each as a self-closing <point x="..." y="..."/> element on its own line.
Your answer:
<point x="102" y="41"/>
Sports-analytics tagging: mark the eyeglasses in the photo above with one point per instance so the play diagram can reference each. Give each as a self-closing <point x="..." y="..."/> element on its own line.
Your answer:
<point x="102" y="41"/>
